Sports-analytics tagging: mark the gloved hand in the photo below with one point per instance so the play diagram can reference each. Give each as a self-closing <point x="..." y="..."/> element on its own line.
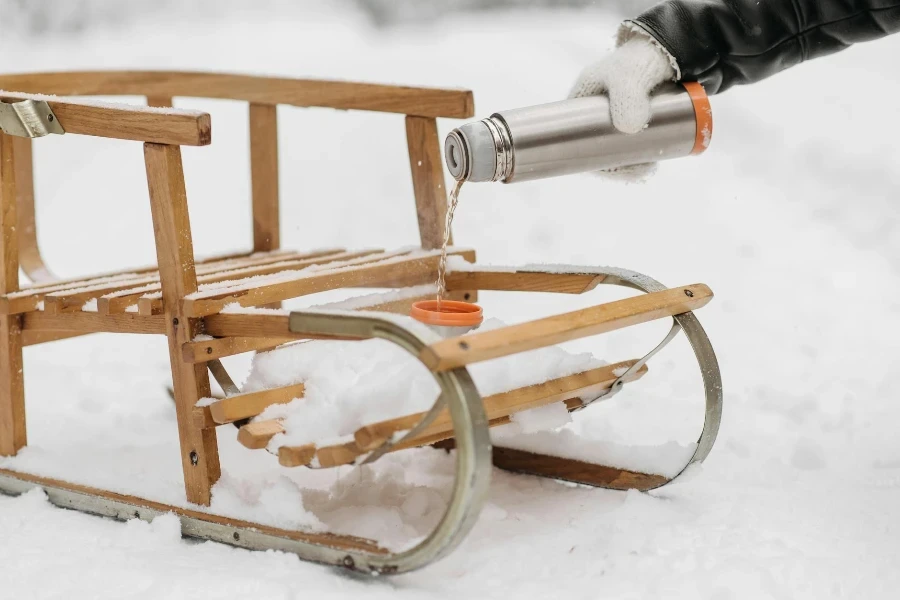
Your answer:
<point x="628" y="75"/>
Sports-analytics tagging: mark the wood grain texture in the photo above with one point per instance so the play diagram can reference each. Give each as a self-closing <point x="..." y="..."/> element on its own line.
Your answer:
<point x="296" y="456"/>
<point x="476" y="347"/>
<point x="206" y="350"/>
<point x="175" y="257"/>
<point x="136" y="273"/>
<point x="499" y="409"/>
<point x="399" y="272"/>
<point x="576" y="471"/>
<point x="422" y="101"/>
<point x="523" y="281"/>
<point x="159" y="101"/>
<point x="264" y="176"/>
<point x="16" y="305"/>
<point x="117" y="298"/>
<point x="12" y="386"/>
<point x="324" y="539"/>
<point x="253" y="326"/>
<point x="33" y="338"/>
<point x="256" y="435"/>
<point x="245" y="406"/>
<point x="504" y="404"/>
<point x="30" y="260"/>
<point x="88" y="322"/>
<point x="13" y="436"/>
<point x="125" y="122"/>
<point x="9" y="247"/>
<point x="428" y="180"/>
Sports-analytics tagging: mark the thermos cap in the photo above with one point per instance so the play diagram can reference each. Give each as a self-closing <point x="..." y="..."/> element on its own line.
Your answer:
<point x="470" y="152"/>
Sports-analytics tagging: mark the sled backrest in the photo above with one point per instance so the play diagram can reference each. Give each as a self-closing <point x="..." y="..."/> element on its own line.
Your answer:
<point x="422" y="106"/>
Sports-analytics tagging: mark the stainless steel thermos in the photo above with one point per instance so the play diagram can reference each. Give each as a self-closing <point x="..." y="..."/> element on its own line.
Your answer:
<point x="576" y="136"/>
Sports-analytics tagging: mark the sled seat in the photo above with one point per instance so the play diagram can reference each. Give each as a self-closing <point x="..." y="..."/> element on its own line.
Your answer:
<point x="131" y="301"/>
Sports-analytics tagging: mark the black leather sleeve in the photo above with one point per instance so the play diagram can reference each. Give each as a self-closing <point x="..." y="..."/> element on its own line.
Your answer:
<point x="722" y="43"/>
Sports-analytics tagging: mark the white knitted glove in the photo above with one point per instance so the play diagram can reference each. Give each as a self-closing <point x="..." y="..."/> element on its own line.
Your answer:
<point x="628" y="75"/>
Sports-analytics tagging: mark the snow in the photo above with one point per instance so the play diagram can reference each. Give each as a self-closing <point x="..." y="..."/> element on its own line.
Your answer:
<point x="368" y="300"/>
<point x="665" y="459"/>
<point x="790" y="216"/>
<point x="351" y="384"/>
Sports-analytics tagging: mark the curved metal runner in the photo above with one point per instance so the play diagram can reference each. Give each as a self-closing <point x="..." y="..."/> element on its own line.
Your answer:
<point x="472" y="440"/>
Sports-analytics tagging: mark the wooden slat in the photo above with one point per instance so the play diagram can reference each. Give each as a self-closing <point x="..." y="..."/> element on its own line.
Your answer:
<point x="296" y="456"/>
<point x="498" y="409"/>
<point x="88" y="322"/>
<point x="175" y="257"/>
<point x="206" y="350"/>
<point x="264" y="176"/>
<point x="18" y="304"/>
<point x="574" y="470"/>
<point x="12" y="386"/>
<point x="29" y="298"/>
<point x="325" y="457"/>
<point x="504" y="404"/>
<point x="33" y="338"/>
<point x="124" y="122"/>
<point x="159" y="101"/>
<point x="117" y="301"/>
<point x="476" y="347"/>
<point x="256" y="435"/>
<point x="30" y="259"/>
<point x="428" y="180"/>
<point x="136" y="273"/>
<point x="268" y="326"/>
<point x="116" y="297"/>
<point x="325" y="539"/>
<point x="523" y="281"/>
<point x="245" y="406"/>
<point x="9" y="248"/>
<point x="425" y="102"/>
<point x="400" y="272"/>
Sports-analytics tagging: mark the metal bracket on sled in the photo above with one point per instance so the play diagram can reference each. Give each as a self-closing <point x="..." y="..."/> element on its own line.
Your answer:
<point x="29" y="119"/>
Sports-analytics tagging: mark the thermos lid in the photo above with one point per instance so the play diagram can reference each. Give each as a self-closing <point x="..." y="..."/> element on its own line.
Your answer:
<point x="470" y="153"/>
<point x="449" y="313"/>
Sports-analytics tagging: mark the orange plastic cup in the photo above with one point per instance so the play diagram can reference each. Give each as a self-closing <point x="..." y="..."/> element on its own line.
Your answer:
<point x="449" y="318"/>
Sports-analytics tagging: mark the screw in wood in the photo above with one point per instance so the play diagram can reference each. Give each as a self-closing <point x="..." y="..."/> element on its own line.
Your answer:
<point x="689" y="293"/>
<point x="194" y="458"/>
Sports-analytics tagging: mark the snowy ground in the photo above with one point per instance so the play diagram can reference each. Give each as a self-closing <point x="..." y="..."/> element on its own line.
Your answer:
<point x="789" y="218"/>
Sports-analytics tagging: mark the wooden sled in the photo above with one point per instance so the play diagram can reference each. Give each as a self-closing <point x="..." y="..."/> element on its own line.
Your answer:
<point x="182" y="298"/>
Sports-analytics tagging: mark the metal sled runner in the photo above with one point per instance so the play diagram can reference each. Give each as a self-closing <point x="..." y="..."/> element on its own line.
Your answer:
<point x="182" y="298"/>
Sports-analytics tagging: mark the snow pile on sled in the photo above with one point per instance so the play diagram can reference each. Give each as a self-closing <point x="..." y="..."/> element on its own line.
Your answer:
<point x="352" y="384"/>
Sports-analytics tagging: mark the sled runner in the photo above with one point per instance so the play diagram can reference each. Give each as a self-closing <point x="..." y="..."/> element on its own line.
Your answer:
<point x="210" y="309"/>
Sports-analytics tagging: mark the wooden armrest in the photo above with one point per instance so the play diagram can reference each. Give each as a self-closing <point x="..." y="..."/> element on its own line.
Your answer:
<point x="125" y="122"/>
<point x="418" y="101"/>
<point x="477" y="347"/>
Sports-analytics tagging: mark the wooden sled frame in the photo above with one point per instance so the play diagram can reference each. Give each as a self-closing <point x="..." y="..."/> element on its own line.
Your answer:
<point x="171" y="301"/>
